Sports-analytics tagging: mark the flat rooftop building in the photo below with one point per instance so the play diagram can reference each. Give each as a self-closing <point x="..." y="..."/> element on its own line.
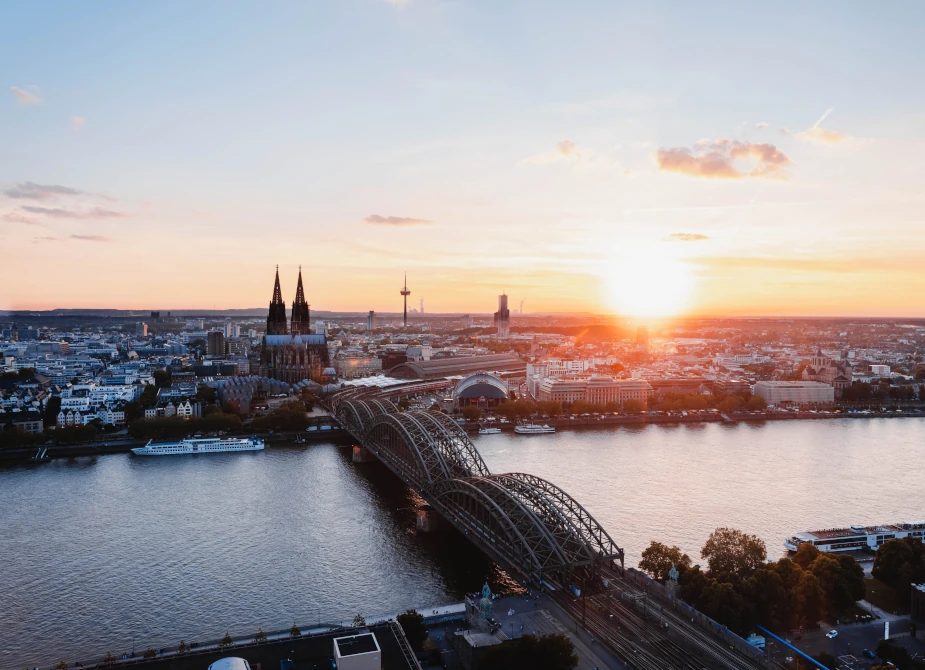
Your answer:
<point x="437" y="368"/>
<point x="797" y="393"/>
<point x="357" y="652"/>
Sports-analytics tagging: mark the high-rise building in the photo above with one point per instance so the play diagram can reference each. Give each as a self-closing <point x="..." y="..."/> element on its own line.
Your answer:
<point x="503" y="317"/>
<point x="141" y="329"/>
<point x="215" y="345"/>
<point x="405" y="293"/>
<point x="371" y="321"/>
<point x="642" y="338"/>
<point x="422" y="305"/>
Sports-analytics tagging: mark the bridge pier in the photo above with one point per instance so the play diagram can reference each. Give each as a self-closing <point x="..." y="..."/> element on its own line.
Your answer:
<point x="430" y="520"/>
<point x="363" y="455"/>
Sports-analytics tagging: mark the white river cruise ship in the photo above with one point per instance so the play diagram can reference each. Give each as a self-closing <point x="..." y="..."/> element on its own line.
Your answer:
<point x="200" y="445"/>
<point x="856" y="537"/>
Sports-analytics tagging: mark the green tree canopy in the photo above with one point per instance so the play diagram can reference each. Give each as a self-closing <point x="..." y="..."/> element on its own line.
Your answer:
<point x="471" y="413"/>
<point x="658" y="558"/>
<point x="732" y="554"/>
<point x="413" y="624"/>
<point x="549" y="652"/>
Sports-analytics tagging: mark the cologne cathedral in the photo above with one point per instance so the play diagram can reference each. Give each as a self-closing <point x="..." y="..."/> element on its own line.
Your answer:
<point x="291" y="353"/>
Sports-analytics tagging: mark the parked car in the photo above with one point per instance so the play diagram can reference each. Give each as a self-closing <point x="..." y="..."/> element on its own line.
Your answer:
<point x="832" y="634"/>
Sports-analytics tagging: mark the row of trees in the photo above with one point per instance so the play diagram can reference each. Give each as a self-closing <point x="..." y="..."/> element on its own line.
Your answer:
<point x="864" y="392"/>
<point x="741" y="588"/>
<point x="178" y="427"/>
<point x="522" y="408"/>
<point x="287" y="417"/>
<point x="674" y="402"/>
<point x="548" y="652"/>
<point x="899" y="564"/>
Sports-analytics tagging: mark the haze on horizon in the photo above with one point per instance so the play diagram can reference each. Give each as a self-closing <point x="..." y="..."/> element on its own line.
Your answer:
<point x="640" y="159"/>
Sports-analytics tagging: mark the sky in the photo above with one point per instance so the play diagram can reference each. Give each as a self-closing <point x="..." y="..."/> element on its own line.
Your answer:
<point x="646" y="159"/>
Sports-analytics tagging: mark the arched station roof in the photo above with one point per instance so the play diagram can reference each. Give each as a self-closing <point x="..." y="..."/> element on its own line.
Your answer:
<point x="481" y="385"/>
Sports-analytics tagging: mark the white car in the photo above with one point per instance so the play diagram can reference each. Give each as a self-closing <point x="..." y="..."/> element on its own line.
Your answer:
<point x="832" y="634"/>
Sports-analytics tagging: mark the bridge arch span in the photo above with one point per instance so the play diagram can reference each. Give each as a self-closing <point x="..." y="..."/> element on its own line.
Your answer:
<point x="423" y="447"/>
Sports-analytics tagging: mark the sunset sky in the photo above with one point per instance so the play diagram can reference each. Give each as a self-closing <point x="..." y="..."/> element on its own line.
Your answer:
<point x="646" y="158"/>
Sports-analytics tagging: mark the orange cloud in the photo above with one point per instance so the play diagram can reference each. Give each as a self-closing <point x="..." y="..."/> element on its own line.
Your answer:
<point x="725" y="159"/>
<point x="565" y="150"/>
<point x="687" y="237"/>
<point x="396" y="220"/>
<point x="820" y="135"/>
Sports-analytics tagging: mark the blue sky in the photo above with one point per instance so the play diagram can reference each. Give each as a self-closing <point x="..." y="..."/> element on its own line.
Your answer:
<point x="549" y="149"/>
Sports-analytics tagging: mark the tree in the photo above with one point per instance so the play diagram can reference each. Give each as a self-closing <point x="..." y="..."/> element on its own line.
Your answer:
<point x="756" y="403"/>
<point x="633" y="406"/>
<point x="658" y="558"/>
<point x="52" y="407"/>
<point x="226" y="641"/>
<point x="721" y="602"/>
<point x="162" y="378"/>
<point x="900" y="563"/>
<point x="109" y="659"/>
<point x="148" y="395"/>
<point x="413" y="624"/>
<point x="806" y="554"/>
<point x="150" y="653"/>
<point x="205" y="393"/>
<point x="295" y="631"/>
<point x="732" y="554"/>
<point x="61" y="665"/>
<point x="768" y="594"/>
<point x="359" y="621"/>
<point x="471" y="413"/>
<point x="730" y="403"/>
<point x="809" y="599"/>
<point x="403" y="405"/>
<point x="260" y="636"/>
<point x="183" y="648"/>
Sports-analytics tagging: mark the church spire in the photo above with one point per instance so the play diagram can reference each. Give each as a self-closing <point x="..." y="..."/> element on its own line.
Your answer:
<point x="299" y="324"/>
<point x="276" y="318"/>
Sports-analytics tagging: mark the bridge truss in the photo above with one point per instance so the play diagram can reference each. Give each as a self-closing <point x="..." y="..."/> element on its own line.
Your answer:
<point x="523" y="522"/>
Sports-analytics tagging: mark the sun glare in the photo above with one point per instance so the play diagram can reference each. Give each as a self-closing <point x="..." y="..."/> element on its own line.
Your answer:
<point x="646" y="281"/>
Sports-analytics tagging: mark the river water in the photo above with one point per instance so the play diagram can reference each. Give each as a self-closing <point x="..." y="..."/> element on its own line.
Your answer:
<point x="96" y="552"/>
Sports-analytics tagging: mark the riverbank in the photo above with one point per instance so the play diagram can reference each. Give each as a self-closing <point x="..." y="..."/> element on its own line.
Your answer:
<point x="690" y="417"/>
<point x="122" y="446"/>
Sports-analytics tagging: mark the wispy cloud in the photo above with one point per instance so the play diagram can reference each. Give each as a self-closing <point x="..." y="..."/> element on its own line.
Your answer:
<point x="725" y="159"/>
<point x="762" y="124"/>
<point x="821" y="135"/>
<point x="396" y="220"/>
<point x="566" y="150"/>
<point x="77" y="122"/>
<point x="24" y="97"/>
<point x="60" y="213"/>
<point x="28" y="190"/>
<point x="19" y="218"/>
<point x="44" y="238"/>
<point x="687" y="237"/>
<point x="91" y="238"/>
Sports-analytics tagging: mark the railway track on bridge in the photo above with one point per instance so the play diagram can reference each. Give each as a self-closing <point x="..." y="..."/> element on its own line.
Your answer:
<point x="533" y="529"/>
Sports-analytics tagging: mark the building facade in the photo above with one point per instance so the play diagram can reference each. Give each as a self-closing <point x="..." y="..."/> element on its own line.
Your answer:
<point x="597" y="390"/>
<point x="796" y="393"/>
<point x="294" y="353"/>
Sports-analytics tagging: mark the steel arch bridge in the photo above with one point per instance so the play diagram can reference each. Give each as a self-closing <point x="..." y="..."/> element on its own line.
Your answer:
<point x="523" y="522"/>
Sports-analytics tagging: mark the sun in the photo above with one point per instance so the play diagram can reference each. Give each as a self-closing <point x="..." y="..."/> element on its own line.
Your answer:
<point x="644" y="280"/>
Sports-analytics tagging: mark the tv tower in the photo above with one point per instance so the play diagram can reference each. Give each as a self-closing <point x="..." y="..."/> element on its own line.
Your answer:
<point x="405" y="293"/>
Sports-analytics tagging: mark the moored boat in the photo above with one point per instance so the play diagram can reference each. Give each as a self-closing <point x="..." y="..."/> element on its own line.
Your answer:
<point x="533" y="429"/>
<point x="856" y="537"/>
<point x="200" y="445"/>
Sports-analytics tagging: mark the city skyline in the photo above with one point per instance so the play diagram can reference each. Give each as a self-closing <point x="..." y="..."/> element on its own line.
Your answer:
<point x="597" y="158"/>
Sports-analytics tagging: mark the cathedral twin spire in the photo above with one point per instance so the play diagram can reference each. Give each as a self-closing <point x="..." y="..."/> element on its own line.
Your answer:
<point x="276" y="319"/>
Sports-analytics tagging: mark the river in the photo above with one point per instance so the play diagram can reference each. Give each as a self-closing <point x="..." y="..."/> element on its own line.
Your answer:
<point x="96" y="552"/>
